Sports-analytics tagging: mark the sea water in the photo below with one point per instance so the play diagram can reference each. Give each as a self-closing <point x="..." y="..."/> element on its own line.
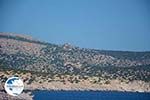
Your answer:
<point x="89" y="95"/>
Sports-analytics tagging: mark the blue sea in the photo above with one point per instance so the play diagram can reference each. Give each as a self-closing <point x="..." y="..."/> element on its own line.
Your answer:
<point x="89" y="95"/>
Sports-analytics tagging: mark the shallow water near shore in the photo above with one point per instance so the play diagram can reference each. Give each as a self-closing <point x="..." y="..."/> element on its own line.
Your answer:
<point x="89" y="95"/>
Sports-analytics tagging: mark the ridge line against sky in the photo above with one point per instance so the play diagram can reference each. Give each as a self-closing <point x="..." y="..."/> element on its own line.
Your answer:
<point x="98" y="24"/>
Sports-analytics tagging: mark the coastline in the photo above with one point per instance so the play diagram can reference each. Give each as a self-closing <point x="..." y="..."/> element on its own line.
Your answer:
<point x="28" y="94"/>
<point x="33" y="82"/>
<point x="115" y="85"/>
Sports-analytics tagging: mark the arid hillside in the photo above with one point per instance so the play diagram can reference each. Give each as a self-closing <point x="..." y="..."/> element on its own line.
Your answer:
<point x="67" y="63"/>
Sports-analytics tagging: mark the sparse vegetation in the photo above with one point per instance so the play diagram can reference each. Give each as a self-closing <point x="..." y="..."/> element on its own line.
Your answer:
<point x="66" y="63"/>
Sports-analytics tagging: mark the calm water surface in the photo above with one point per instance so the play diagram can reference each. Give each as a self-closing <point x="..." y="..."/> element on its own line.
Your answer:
<point x="89" y="95"/>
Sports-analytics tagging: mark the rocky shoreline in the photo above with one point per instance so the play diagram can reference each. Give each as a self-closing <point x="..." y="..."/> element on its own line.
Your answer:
<point x="34" y="82"/>
<point x="23" y="96"/>
<point x="115" y="85"/>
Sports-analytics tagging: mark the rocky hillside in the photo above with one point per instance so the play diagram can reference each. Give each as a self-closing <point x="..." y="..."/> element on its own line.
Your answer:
<point x="25" y="53"/>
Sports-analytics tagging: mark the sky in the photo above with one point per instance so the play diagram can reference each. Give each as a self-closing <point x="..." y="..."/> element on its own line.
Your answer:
<point x="98" y="24"/>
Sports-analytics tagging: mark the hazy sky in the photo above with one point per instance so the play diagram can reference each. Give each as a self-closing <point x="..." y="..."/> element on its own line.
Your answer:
<point x="100" y="24"/>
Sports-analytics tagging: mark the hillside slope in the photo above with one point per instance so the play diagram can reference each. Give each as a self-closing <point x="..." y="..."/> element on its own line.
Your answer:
<point x="19" y="52"/>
